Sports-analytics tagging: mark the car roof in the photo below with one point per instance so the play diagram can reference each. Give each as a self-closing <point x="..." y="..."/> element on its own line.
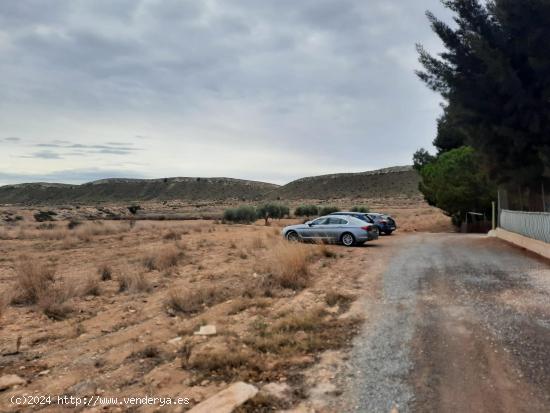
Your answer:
<point x="348" y="213"/>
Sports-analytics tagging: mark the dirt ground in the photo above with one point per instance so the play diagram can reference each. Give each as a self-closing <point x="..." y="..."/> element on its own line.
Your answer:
<point x="119" y="313"/>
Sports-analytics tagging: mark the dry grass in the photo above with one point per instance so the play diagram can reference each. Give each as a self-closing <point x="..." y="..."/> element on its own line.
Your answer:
<point x="305" y="332"/>
<point x="289" y="266"/>
<point x="171" y="235"/>
<point x="324" y="251"/>
<point x="195" y="301"/>
<point x="105" y="272"/>
<point x="333" y="298"/>
<point x="55" y="304"/>
<point x="35" y="279"/>
<point x="257" y="242"/>
<point x="162" y="259"/>
<point x="224" y="363"/>
<point x="133" y="282"/>
<point x="90" y="286"/>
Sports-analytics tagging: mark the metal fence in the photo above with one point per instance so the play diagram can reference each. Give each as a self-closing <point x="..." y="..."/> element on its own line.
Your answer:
<point x="534" y="225"/>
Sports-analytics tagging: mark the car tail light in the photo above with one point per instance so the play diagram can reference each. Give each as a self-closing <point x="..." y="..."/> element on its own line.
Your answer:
<point x="383" y="221"/>
<point x="367" y="228"/>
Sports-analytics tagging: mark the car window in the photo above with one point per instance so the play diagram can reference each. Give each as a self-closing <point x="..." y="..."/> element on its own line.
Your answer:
<point x="320" y="221"/>
<point x="337" y="221"/>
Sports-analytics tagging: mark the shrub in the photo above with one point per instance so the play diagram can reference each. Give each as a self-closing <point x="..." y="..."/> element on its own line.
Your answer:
<point x="290" y="266"/>
<point x="326" y="210"/>
<point x="162" y="259"/>
<point x="42" y="216"/>
<point x="306" y="211"/>
<point x="73" y="223"/>
<point x="243" y="215"/>
<point x="133" y="282"/>
<point x="90" y="287"/>
<point x="105" y="272"/>
<point x="134" y="209"/>
<point x="34" y="280"/>
<point x="194" y="301"/>
<point x="357" y="208"/>
<point x="273" y="211"/>
<point x="54" y="304"/>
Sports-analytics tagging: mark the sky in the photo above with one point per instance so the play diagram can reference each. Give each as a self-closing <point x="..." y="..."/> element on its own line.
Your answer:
<point x="269" y="90"/>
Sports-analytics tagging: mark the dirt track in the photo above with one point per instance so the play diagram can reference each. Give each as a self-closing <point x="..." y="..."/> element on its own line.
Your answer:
<point x="462" y="324"/>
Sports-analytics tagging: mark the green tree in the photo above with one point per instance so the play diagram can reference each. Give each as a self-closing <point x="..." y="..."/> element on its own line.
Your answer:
<point x="326" y="210"/>
<point x="273" y="211"/>
<point x="243" y="215"/>
<point x="455" y="183"/>
<point x="495" y="78"/>
<point x="306" y="211"/>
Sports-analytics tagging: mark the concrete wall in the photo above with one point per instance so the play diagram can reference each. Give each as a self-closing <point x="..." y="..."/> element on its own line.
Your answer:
<point x="536" y="246"/>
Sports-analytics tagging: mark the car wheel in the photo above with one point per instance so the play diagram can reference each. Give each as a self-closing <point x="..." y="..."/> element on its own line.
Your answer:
<point x="348" y="239"/>
<point x="292" y="236"/>
<point x="388" y="232"/>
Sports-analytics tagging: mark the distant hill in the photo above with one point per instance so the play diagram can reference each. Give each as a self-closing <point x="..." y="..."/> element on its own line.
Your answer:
<point x="394" y="181"/>
<point x="115" y="190"/>
<point x="388" y="182"/>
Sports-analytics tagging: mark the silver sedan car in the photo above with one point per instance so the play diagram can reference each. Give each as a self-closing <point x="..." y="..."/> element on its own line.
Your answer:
<point x="333" y="228"/>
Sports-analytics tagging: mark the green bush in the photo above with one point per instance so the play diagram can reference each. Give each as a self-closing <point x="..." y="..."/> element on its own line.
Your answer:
<point x="326" y="210"/>
<point x="244" y="214"/>
<point x="357" y="208"/>
<point x="306" y="211"/>
<point x="267" y="211"/>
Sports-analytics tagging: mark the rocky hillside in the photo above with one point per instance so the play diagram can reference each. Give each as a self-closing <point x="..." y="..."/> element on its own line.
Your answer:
<point x="115" y="190"/>
<point x="387" y="182"/>
<point x="382" y="183"/>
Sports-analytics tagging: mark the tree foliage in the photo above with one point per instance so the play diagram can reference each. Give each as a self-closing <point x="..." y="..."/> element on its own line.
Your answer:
<point x="455" y="183"/>
<point x="243" y="215"/>
<point x="360" y="208"/>
<point x="306" y="211"/>
<point x="326" y="210"/>
<point x="495" y="78"/>
<point x="277" y="211"/>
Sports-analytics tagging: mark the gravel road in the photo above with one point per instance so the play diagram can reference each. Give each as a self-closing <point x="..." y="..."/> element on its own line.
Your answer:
<point x="462" y="324"/>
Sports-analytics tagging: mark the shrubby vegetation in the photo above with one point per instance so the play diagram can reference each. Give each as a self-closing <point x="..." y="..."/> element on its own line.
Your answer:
<point x="455" y="183"/>
<point x="362" y="208"/>
<point x="328" y="210"/>
<point x="306" y="211"/>
<point x="493" y="77"/>
<point x="274" y="211"/>
<point x="244" y="214"/>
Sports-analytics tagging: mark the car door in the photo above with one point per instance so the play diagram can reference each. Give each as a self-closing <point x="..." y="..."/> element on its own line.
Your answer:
<point x="315" y="229"/>
<point x="334" y="228"/>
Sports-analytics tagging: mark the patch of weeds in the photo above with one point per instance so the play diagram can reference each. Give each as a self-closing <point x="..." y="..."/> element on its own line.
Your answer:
<point x="133" y="282"/>
<point x="105" y="272"/>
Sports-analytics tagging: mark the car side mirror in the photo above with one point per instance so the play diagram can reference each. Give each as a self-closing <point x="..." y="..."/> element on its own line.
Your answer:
<point x="309" y="223"/>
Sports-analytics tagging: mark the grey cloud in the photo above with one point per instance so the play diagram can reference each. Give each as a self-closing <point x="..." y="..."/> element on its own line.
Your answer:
<point x="44" y="155"/>
<point x="79" y="149"/>
<point x="11" y="139"/>
<point x="312" y="72"/>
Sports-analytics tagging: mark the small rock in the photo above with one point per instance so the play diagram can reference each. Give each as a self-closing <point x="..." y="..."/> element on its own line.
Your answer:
<point x="84" y="388"/>
<point x="175" y="341"/>
<point x="277" y="390"/>
<point x="207" y="330"/>
<point x="10" y="380"/>
<point x="43" y="372"/>
<point x="205" y="382"/>
<point x="227" y="400"/>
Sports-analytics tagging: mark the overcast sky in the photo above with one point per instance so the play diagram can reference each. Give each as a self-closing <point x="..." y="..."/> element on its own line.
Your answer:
<point x="269" y="90"/>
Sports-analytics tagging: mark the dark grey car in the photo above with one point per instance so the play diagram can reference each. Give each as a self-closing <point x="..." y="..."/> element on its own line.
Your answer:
<point x="333" y="228"/>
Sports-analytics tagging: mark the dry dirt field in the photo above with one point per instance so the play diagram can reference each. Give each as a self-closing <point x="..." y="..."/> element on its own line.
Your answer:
<point x="111" y="308"/>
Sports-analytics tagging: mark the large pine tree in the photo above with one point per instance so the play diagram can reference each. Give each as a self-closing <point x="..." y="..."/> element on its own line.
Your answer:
<point x="495" y="78"/>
